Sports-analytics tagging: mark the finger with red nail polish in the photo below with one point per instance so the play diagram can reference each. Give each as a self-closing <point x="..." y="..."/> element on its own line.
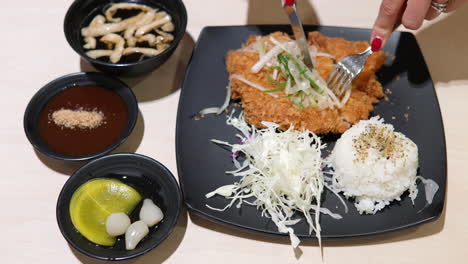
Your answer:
<point x="376" y="44"/>
<point x="289" y="2"/>
<point x="389" y="16"/>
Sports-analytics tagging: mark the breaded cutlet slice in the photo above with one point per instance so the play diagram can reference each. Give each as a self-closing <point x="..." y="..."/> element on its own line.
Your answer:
<point x="259" y="106"/>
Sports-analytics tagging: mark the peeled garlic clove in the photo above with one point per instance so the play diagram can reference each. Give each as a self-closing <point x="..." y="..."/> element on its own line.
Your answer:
<point x="135" y="233"/>
<point x="117" y="224"/>
<point x="150" y="213"/>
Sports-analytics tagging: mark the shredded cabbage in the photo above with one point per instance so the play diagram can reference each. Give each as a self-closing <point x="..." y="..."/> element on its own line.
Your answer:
<point x="281" y="174"/>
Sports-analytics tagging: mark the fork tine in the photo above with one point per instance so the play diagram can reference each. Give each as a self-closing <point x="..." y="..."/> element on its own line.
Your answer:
<point x="341" y="88"/>
<point x="348" y="82"/>
<point x="345" y="71"/>
<point x="338" y="72"/>
<point x="332" y="76"/>
<point x="338" y="86"/>
<point x="340" y="79"/>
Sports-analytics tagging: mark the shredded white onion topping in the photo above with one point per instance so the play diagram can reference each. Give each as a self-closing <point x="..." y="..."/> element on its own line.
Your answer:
<point x="254" y="85"/>
<point x="264" y="59"/>
<point x="303" y="86"/>
<point x="218" y="110"/>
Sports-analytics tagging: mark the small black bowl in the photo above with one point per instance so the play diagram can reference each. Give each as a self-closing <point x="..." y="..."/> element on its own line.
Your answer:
<point x="40" y="99"/>
<point x="81" y="12"/>
<point x="149" y="177"/>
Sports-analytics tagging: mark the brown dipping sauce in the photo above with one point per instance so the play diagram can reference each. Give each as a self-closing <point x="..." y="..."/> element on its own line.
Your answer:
<point x="79" y="141"/>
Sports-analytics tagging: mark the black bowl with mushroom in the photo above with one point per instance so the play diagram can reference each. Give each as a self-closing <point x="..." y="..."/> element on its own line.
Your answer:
<point x="129" y="37"/>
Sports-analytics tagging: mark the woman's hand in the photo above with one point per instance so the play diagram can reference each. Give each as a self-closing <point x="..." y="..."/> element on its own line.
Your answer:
<point x="410" y="13"/>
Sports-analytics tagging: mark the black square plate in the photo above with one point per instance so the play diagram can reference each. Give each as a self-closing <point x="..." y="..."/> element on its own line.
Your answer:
<point x="412" y="108"/>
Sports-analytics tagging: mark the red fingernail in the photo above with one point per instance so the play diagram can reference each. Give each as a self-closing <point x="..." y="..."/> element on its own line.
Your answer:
<point x="376" y="44"/>
<point x="289" y="2"/>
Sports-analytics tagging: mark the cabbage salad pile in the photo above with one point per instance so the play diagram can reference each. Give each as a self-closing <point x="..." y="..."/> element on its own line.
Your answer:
<point x="279" y="173"/>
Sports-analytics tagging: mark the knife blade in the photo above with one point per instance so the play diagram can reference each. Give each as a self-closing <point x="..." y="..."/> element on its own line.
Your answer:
<point x="289" y="7"/>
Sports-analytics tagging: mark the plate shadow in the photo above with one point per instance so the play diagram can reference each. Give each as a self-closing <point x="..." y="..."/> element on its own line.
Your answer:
<point x="444" y="46"/>
<point x="63" y="167"/>
<point x="134" y="140"/>
<point x="164" y="80"/>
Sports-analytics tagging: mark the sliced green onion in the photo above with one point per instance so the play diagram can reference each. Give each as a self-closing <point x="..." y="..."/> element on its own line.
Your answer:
<point x="298" y="104"/>
<point x="274" y="68"/>
<point x="283" y="60"/>
<point x="303" y="71"/>
<point x="313" y="83"/>
<point x="312" y="100"/>
<point x="293" y="94"/>
<point x="283" y="85"/>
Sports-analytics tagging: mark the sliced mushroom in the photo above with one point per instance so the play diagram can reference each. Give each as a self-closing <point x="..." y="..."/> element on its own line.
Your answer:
<point x="97" y="20"/>
<point x="162" y="47"/>
<point x="110" y="12"/>
<point x="128" y="34"/>
<point x="131" y="41"/>
<point x="90" y="41"/>
<point x="150" y="38"/>
<point x="119" y="42"/>
<point x="167" y="37"/>
<point x="129" y="31"/>
<point x="99" y="53"/>
<point x="160" y="15"/>
<point x="168" y="27"/>
<point x="159" y="39"/>
<point x="155" y="24"/>
<point x="145" y="51"/>
<point x="107" y="28"/>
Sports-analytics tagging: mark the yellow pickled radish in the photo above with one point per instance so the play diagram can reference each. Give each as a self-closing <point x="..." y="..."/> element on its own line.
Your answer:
<point x="94" y="201"/>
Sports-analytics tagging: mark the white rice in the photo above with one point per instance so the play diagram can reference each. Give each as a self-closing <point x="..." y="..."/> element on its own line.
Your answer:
<point x="373" y="176"/>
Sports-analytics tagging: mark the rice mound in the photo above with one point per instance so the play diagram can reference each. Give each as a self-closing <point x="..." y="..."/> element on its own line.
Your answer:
<point x="374" y="164"/>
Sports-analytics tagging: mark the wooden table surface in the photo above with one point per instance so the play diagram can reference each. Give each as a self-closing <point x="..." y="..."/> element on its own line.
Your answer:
<point x="34" y="51"/>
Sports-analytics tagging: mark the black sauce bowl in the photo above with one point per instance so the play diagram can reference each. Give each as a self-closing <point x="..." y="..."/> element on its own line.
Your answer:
<point x="149" y="177"/>
<point x="81" y="13"/>
<point x="40" y="99"/>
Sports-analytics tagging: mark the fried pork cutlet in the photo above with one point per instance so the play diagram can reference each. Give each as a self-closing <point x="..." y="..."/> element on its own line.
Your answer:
<point x="260" y="106"/>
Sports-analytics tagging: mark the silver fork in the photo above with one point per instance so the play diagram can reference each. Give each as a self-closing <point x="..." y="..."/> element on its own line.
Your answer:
<point x="346" y="70"/>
